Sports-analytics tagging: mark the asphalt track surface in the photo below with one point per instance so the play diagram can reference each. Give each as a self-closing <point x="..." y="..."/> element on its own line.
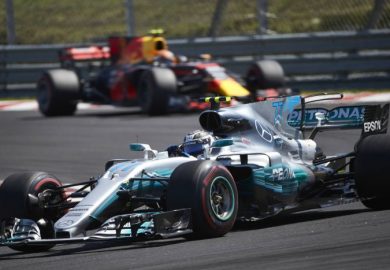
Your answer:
<point x="75" y="148"/>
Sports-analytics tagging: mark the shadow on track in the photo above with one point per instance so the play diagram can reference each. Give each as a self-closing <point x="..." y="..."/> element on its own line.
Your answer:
<point x="97" y="247"/>
<point x="292" y="218"/>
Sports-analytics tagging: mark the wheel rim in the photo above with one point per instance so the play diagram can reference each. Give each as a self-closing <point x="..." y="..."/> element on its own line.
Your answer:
<point x="44" y="188"/>
<point x="222" y="198"/>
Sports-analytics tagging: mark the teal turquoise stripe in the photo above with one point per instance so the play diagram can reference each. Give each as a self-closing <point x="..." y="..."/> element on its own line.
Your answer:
<point x="265" y="178"/>
<point x="104" y="205"/>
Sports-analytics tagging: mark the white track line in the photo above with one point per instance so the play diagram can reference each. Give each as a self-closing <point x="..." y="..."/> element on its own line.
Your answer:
<point x="33" y="106"/>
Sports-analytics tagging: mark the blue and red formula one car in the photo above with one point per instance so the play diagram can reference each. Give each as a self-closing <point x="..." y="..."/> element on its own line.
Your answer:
<point x="141" y="71"/>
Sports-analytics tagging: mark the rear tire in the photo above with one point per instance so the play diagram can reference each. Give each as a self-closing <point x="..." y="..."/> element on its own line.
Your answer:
<point x="264" y="74"/>
<point x="58" y="92"/>
<point x="371" y="171"/>
<point x="17" y="201"/>
<point x="154" y="90"/>
<point x="209" y="190"/>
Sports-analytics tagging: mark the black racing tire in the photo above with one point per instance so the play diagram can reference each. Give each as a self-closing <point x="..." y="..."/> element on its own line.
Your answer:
<point x="209" y="190"/>
<point x="58" y="92"/>
<point x="264" y="74"/>
<point x="17" y="201"/>
<point x="371" y="171"/>
<point x="154" y="89"/>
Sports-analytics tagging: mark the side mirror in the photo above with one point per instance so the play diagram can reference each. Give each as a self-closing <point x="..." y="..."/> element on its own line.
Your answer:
<point x="139" y="147"/>
<point x="222" y="143"/>
<point x="149" y="153"/>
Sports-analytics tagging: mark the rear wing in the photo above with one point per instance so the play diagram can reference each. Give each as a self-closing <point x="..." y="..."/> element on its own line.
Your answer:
<point x="372" y="119"/>
<point x="324" y="117"/>
<point x="120" y="49"/>
<point x="346" y="116"/>
<point x="85" y="61"/>
<point x="84" y="54"/>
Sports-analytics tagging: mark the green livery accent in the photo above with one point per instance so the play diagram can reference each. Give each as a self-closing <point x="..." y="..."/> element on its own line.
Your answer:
<point x="141" y="187"/>
<point x="146" y="186"/>
<point x="110" y="200"/>
<point x="230" y="211"/>
<point x="280" y="178"/>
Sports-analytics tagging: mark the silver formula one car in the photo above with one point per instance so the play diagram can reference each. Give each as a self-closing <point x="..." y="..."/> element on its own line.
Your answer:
<point x="248" y="163"/>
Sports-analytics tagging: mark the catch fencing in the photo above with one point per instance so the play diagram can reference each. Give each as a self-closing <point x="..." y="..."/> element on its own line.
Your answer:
<point x="312" y="61"/>
<point x="321" y="44"/>
<point x="75" y="21"/>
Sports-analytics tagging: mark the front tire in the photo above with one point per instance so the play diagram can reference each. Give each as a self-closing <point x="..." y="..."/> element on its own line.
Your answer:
<point x="58" y="92"/>
<point x="209" y="190"/>
<point x="18" y="199"/>
<point x="371" y="167"/>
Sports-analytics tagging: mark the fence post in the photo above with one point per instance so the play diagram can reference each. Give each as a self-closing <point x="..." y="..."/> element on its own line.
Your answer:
<point x="377" y="10"/>
<point x="10" y="21"/>
<point x="217" y="18"/>
<point x="262" y="16"/>
<point x="130" y="22"/>
<point x="3" y="68"/>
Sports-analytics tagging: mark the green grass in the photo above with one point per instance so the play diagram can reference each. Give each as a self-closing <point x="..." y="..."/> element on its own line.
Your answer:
<point x="74" y="21"/>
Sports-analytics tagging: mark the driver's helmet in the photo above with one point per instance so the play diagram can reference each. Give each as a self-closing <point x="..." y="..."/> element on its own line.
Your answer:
<point x="196" y="142"/>
<point x="162" y="54"/>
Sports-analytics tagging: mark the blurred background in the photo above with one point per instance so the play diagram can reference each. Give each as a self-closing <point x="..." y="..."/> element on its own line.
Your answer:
<point x="321" y="44"/>
<point x="75" y="21"/>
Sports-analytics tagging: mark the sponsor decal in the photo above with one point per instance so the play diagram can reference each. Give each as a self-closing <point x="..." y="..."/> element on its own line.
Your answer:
<point x="372" y="126"/>
<point x="376" y="119"/>
<point x="339" y="114"/>
<point x="246" y="140"/>
<point x="65" y="223"/>
<point x="73" y="214"/>
<point x="278" y="111"/>
<point x="285" y="107"/>
<point x="79" y="209"/>
<point x="282" y="173"/>
<point x="280" y="178"/>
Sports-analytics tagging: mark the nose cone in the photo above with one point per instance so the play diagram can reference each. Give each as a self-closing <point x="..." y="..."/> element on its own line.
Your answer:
<point x="229" y="87"/>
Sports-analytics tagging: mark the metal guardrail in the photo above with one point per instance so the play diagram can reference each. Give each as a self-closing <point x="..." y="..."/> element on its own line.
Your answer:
<point x="316" y="61"/>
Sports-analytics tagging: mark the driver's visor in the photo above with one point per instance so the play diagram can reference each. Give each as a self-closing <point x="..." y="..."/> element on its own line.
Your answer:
<point x="193" y="147"/>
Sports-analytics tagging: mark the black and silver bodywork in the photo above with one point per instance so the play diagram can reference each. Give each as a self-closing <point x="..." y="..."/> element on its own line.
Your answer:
<point x="260" y="165"/>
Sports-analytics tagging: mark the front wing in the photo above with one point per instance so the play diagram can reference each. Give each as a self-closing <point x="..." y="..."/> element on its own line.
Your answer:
<point x="130" y="227"/>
